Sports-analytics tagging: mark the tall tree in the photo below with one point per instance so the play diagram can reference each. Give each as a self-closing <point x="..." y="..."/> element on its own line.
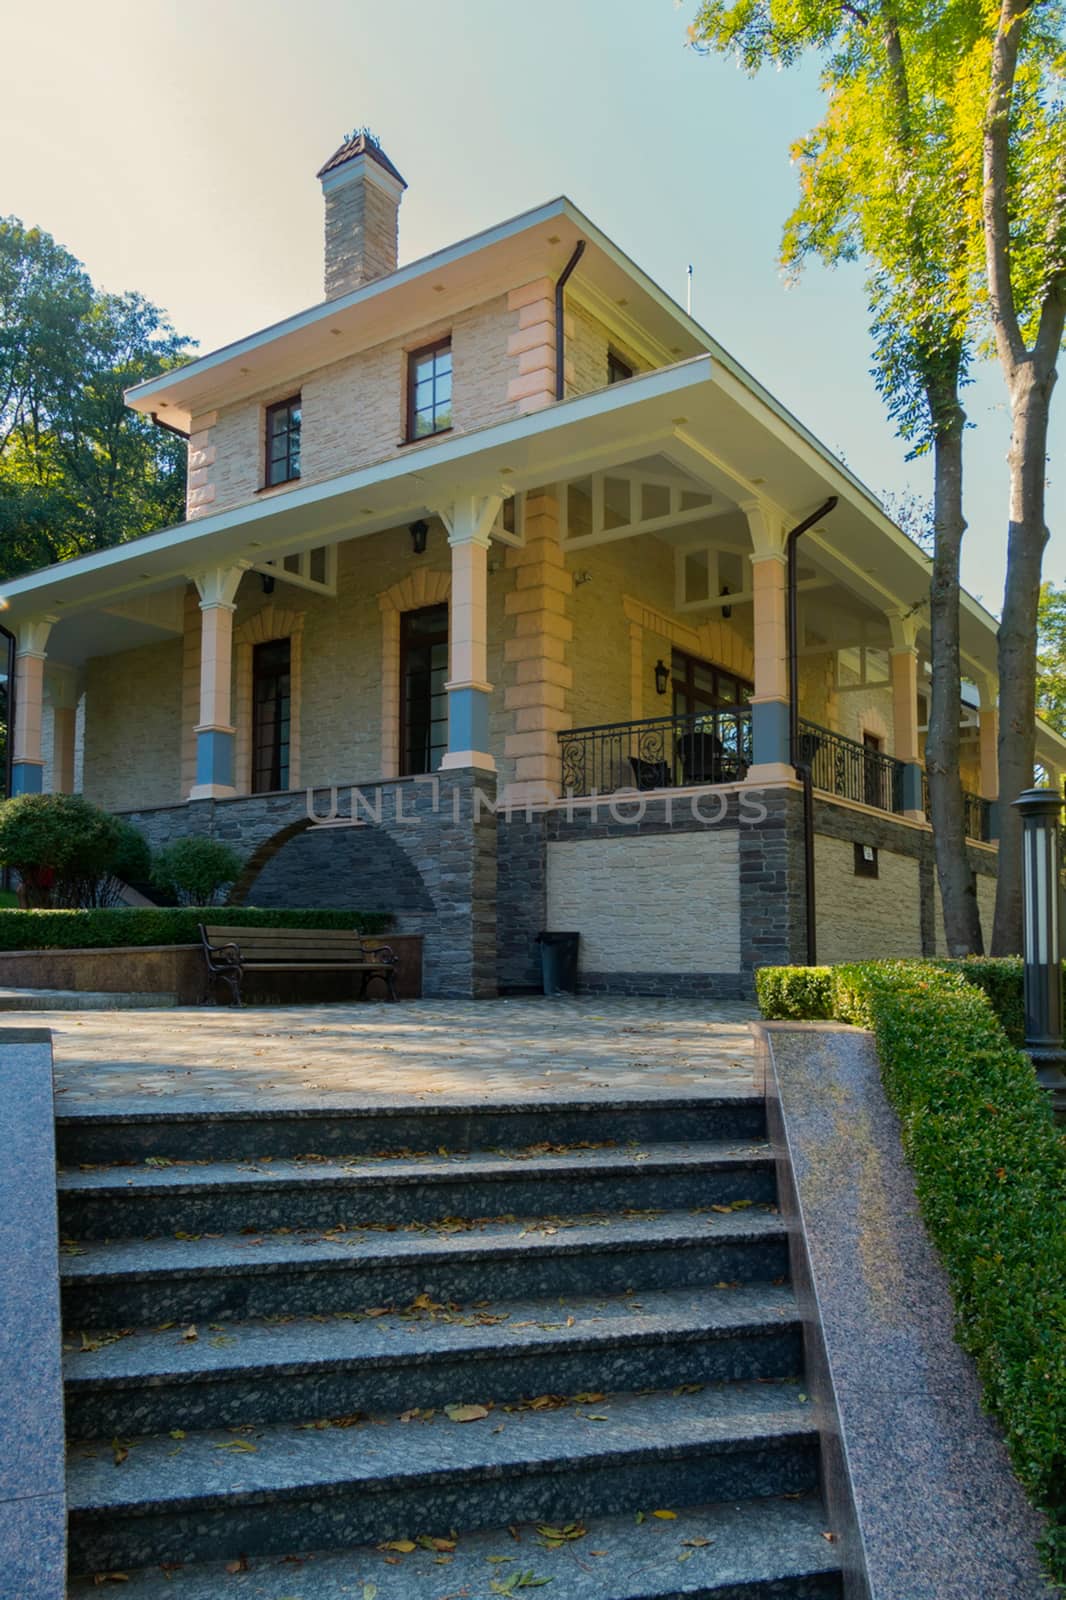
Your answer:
<point x="872" y="178"/>
<point x="1017" y="97"/>
<point x="78" y="470"/>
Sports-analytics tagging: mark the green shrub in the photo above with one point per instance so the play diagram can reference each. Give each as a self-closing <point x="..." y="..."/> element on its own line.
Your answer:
<point x="196" y="868"/>
<point x="1002" y="979"/>
<point x="133" y="862"/>
<point x="990" y="1174"/>
<point x="795" y="993"/>
<point x="142" y="925"/>
<point x="61" y="845"/>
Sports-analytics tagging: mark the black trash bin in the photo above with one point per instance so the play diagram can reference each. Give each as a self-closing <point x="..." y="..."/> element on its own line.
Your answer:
<point x="558" y="962"/>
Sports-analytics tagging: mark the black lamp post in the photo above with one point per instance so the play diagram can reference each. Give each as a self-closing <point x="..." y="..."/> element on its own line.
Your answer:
<point x="1041" y="811"/>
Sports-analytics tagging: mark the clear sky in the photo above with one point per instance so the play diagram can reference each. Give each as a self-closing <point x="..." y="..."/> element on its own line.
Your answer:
<point x="172" y="147"/>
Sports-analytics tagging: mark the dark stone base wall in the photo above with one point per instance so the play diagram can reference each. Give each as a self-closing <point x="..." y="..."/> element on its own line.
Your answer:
<point x="424" y="851"/>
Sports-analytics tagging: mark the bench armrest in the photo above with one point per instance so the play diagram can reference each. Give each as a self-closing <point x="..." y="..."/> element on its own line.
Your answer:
<point x="383" y="953"/>
<point x="219" y="956"/>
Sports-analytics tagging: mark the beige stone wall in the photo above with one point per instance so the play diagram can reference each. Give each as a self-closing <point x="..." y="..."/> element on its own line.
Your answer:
<point x="632" y="899"/>
<point x="354" y="411"/>
<point x="133" y="709"/>
<point x="863" y="919"/>
<point x="986" y="905"/>
<point x="587" y="343"/>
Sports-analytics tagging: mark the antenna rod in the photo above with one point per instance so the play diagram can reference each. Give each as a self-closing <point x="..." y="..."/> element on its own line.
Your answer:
<point x="688" y="305"/>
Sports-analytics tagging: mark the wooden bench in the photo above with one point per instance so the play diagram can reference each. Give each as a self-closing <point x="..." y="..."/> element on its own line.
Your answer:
<point x="231" y="952"/>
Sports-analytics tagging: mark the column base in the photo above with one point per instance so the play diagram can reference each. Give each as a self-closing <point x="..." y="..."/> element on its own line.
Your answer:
<point x="1050" y="1068"/>
<point x="212" y="791"/>
<point x="27" y="777"/>
<point x="467" y="758"/>
<point x="770" y="772"/>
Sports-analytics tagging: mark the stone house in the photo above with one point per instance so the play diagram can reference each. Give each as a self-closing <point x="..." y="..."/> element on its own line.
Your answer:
<point x="470" y="545"/>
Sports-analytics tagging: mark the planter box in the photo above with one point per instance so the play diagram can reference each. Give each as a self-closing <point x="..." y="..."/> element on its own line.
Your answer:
<point x="178" y="969"/>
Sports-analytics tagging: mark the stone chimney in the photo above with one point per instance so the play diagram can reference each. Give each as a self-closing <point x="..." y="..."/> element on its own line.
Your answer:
<point x="362" y="190"/>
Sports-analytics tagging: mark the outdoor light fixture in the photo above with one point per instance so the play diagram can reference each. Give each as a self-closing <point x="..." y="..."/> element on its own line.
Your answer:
<point x="1041" y="811"/>
<point x="662" y="677"/>
<point x="727" y="611"/>
<point x="419" y="532"/>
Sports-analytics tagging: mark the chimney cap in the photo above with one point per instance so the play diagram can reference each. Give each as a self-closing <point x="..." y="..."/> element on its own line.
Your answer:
<point x="360" y="143"/>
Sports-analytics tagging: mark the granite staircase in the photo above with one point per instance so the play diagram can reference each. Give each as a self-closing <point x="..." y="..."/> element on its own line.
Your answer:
<point x="450" y="1351"/>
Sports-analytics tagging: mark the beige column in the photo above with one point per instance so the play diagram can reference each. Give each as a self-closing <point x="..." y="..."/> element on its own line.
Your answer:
<point x="27" y="774"/>
<point x="537" y="698"/>
<point x="469" y="522"/>
<point x="988" y="731"/>
<point x="215" y="730"/>
<point x="769" y="703"/>
<point x="63" y="693"/>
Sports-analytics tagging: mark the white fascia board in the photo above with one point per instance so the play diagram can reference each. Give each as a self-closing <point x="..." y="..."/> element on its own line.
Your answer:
<point x="141" y="393"/>
<point x="188" y="545"/>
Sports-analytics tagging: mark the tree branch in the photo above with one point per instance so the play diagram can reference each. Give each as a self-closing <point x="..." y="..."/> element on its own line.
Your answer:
<point x="995" y="186"/>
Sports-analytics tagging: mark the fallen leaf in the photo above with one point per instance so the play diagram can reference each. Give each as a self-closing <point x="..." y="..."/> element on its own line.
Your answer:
<point x="190" y="1332"/>
<point x="665" y="1516"/>
<point x="466" y="1413"/>
<point x="240" y="1565"/>
<point x="119" y="1451"/>
<point x="177" y="1433"/>
<point x="698" y="1544"/>
<point x="403" y="1546"/>
<point x="242" y="1444"/>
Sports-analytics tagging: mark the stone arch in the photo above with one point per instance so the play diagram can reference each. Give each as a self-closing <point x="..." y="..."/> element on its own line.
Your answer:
<point x="259" y="857"/>
<point x="422" y="587"/>
<point x="269" y="622"/>
<point x="330" y="868"/>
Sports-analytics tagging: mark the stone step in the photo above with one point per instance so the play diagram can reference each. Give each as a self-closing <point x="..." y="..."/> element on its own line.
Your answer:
<point x="772" y="1548"/>
<point x="429" y="1355"/>
<point x="126" y="1202"/>
<point x="136" y="1283"/>
<point x="84" y="1000"/>
<point x="202" y="1130"/>
<point x="218" y="1495"/>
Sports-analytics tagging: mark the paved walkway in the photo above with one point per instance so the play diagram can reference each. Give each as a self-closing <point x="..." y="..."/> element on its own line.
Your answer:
<point x="424" y="1048"/>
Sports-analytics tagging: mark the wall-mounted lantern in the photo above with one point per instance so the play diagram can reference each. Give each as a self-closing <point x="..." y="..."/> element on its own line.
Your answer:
<point x="662" y="677"/>
<point x="419" y="532"/>
<point x="1041" y="811"/>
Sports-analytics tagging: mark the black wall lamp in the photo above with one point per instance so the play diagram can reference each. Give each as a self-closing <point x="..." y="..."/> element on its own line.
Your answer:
<point x="419" y="532"/>
<point x="662" y="677"/>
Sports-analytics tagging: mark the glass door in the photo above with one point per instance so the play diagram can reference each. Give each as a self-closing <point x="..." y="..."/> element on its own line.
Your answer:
<point x="423" y="696"/>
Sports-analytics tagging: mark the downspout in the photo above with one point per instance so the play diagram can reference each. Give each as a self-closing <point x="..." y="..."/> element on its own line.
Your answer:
<point x="802" y="768"/>
<point x="168" y="427"/>
<point x="560" y="331"/>
<point x="9" y="752"/>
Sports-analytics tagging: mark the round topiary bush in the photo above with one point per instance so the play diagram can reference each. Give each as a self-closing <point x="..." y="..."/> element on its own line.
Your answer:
<point x="61" y="846"/>
<point x="196" y="869"/>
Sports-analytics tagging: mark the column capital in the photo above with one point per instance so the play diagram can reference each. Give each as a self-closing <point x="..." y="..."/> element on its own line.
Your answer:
<point x="469" y="518"/>
<point x="33" y="636"/>
<point x="217" y="586"/>
<point x="903" y="628"/>
<point x="767" y="528"/>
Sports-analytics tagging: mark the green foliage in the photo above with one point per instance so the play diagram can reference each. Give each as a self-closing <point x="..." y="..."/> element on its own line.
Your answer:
<point x="196" y="868"/>
<point x="990" y="1173"/>
<point x="133" y="858"/>
<point x="802" y="994"/>
<point x="145" y="925"/>
<point x="1003" y="981"/>
<point x="1051" y="657"/>
<point x="79" y="471"/>
<point x="58" y="839"/>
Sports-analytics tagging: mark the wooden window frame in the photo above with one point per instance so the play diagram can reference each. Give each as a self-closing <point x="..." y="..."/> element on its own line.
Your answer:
<point x="280" y="786"/>
<point x="413" y="357"/>
<point x="618" y="368"/>
<point x="688" y="685"/>
<point x="271" y="412"/>
<point x="444" y="637"/>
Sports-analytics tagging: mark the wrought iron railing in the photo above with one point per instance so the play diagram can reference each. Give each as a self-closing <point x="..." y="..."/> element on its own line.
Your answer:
<point x="851" y="770"/>
<point x="977" y="812"/>
<point x="658" y="753"/>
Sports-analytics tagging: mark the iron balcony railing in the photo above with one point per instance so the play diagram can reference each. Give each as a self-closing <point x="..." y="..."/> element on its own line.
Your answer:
<point x="976" y="810"/>
<point x="851" y="770"/>
<point x="658" y="753"/>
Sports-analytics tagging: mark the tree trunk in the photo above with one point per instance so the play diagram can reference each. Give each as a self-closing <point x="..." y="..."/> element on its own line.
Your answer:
<point x="1030" y="408"/>
<point x="958" y="889"/>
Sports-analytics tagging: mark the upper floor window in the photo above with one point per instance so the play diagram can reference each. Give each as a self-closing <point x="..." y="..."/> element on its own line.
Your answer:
<point x="617" y="369"/>
<point x="429" y="390"/>
<point x="283" y="441"/>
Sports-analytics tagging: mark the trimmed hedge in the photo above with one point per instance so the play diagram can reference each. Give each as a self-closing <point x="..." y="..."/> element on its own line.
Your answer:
<point x="789" y="994"/>
<point x="990" y="1175"/>
<point x="141" y="925"/>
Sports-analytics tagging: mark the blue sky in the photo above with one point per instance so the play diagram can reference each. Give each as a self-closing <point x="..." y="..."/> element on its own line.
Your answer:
<point x="173" y="148"/>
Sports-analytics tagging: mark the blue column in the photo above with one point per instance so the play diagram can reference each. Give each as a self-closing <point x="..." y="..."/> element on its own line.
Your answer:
<point x="769" y="732"/>
<point x="911" y="785"/>
<point x="27" y="777"/>
<point x="468" y="719"/>
<point x="214" y="757"/>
